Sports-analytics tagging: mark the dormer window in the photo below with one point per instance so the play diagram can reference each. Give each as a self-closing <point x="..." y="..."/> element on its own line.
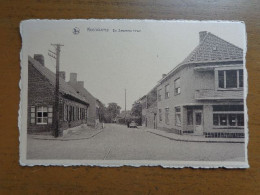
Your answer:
<point x="214" y="48"/>
<point x="230" y="79"/>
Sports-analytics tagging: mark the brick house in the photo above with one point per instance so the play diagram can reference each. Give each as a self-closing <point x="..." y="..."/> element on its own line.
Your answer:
<point x="203" y="95"/>
<point x="73" y="107"/>
<point x="92" y="113"/>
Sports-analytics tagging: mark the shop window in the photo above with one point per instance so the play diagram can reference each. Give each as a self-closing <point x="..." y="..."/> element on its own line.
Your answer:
<point x="228" y="120"/>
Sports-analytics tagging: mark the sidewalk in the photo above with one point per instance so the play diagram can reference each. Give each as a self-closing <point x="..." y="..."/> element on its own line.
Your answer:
<point x="191" y="138"/>
<point x="76" y="133"/>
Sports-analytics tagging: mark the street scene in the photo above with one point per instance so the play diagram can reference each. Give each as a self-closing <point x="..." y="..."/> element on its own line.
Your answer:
<point x="117" y="142"/>
<point x="106" y="90"/>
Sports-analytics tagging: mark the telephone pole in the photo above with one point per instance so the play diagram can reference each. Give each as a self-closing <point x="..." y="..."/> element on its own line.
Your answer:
<point x="56" y="55"/>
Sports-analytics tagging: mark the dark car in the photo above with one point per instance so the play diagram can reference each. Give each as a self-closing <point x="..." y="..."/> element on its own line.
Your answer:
<point x="132" y="125"/>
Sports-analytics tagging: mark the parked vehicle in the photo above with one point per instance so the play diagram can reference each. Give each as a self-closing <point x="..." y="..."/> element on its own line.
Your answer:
<point x="132" y="125"/>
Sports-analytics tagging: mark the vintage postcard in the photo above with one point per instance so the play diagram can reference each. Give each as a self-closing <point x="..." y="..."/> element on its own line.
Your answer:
<point x="133" y="92"/>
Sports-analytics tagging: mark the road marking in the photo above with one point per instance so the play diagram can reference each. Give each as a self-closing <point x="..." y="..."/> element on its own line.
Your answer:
<point x="107" y="154"/>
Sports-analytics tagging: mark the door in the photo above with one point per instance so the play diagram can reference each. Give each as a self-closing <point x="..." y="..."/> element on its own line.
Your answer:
<point x="198" y="116"/>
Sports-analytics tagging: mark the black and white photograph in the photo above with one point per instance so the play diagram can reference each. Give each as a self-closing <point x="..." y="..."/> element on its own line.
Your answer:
<point x="111" y="93"/>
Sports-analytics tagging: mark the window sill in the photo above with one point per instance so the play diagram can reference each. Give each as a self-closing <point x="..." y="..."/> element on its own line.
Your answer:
<point x="230" y="89"/>
<point x="227" y="127"/>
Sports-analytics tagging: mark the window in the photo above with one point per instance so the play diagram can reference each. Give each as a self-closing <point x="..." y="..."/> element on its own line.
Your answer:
<point x="32" y="119"/>
<point x="228" y="120"/>
<point x="67" y="113"/>
<point x="178" y="116"/>
<point x="230" y="79"/>
<point x="177" y="88"/>
<point x="190" y="117"/>
<point x="167" y="91"/>
<point x="241" y="80"/>
<point x="228" y="115"/>
<point x="73" y="113"/>
<point x="42" y="115"/>
<point x="167" y="116"/>
<point x="159" y="95"/>
<point x="160" y="115"/>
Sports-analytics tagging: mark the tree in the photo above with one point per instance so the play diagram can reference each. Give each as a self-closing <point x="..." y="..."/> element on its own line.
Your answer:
<point x="112" y="111"/>
<point x="101" y="111"/>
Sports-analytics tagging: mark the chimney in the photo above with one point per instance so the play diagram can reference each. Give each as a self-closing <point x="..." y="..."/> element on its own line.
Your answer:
<point x="202" y="35"/>
<point x="81" y="83"/>
<point x="73" y="78"/>
<point x="39" y="58"/>
<point x="163" y="75"/>
<point x="62" y="75"/>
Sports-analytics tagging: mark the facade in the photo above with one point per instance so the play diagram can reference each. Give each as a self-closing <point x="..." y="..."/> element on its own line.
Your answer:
<point x="204" y="94"/>
<point x="150" y="109"/>
<point x="73" y="107"/>
<point x="92" y="113"/>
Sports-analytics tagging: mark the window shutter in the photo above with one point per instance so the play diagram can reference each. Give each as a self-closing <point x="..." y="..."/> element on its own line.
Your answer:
<point x="32" y="116"/>
<point x="50" y="114"/>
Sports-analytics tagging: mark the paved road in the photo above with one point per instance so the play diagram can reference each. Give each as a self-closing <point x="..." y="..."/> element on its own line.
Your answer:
<point x="118" y="142"/>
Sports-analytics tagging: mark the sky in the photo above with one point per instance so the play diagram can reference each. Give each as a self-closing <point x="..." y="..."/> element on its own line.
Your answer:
<point x="129" y="55"/>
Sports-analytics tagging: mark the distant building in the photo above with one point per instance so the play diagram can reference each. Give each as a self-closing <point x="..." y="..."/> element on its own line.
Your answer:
<point x="203" y="95"/>
<point x="149" y="109"/>
<point x="74" y="108"/>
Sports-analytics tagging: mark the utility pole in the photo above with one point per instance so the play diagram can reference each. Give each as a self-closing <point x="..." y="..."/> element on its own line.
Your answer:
<point x="56" y="55"/>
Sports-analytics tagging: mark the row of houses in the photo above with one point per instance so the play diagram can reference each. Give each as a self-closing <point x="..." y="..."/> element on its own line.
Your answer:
<point x="203" y="95"/>
<point x="76" y="105"/>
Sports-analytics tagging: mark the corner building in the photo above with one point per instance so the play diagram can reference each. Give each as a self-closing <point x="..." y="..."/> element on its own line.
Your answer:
<point x="203" y="95"/>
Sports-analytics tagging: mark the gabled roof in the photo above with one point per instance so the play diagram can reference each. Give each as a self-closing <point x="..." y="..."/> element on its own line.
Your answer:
<point x="210" y="49"/>
<point x="213" y="48"/>
<point x="51" y="76"/>
<point x="82" y="91"/>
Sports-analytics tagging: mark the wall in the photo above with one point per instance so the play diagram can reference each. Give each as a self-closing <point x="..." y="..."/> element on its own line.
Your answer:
<point x="41" y="93"/>
<point x="91" y="100"/>
<point x="190" y="81"/>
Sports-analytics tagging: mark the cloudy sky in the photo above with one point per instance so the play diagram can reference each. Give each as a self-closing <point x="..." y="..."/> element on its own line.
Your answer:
<point x="109" y="62"/>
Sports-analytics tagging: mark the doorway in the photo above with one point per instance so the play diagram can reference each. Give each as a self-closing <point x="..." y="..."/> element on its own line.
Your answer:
<point x="198" y="123"/>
